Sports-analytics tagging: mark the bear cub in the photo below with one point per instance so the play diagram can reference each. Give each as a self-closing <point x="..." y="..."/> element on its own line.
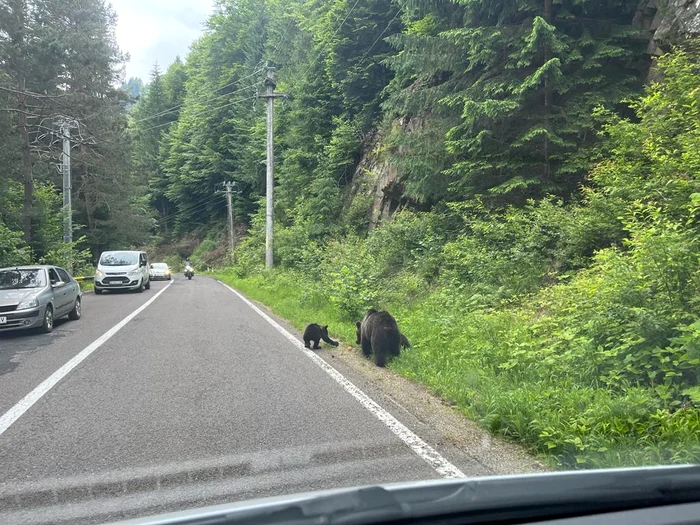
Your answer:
<point x="314" y="333"/>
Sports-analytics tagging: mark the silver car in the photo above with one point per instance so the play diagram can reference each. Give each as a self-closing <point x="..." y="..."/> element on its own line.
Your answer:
<point x="33" y="296"/>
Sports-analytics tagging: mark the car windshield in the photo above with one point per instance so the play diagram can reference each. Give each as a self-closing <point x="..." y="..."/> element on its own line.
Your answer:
<point x="119" y="259"/>
<point x="433" y="239"/>
<point x="22" y="278"/>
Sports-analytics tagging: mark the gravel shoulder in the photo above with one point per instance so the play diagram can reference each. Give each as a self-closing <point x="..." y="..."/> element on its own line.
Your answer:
<point x="427" y="414"/>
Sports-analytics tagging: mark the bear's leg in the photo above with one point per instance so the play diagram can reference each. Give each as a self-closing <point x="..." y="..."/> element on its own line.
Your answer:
<point x="366" y="347"/>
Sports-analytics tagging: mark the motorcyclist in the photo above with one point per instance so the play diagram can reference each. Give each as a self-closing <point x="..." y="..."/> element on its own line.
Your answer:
<point x="189" y="271"/>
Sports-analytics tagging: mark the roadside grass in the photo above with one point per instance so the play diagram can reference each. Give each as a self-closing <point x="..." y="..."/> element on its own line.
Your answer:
<point x="496" y="369"/>
<point x="285" y="294"/>
<point x="87" y="286"/>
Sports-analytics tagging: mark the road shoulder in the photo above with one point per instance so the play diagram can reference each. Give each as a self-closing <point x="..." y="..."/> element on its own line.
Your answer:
<point x="424" y="413"/>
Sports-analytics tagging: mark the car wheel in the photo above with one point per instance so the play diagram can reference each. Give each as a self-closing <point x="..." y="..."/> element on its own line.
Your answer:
<point x="76" y="312"/>
<point x="148" y="284"/>
<point x="140" y="288"/>
<point x="47" y="325"/>
<point x="98" y="291"/>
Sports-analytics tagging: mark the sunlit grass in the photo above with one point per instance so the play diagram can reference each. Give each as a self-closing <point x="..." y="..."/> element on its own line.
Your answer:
<point x="87" y="286"/>
<point x="467" y="359"/>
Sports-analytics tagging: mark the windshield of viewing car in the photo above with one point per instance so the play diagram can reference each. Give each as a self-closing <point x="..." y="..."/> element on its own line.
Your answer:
<point x="16" y="279"/>
<point x="119" y="259"/>
<point x="431" y="239"/>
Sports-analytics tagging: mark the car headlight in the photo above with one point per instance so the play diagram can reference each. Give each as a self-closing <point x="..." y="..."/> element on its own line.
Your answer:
<point x="99" y="273"/>
<point x="29" y="302"/>
<point x="135" y="272"/>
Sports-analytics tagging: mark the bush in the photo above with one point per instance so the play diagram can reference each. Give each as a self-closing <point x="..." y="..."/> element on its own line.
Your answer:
<point x="71" y="256"/>
<point x="573" y="328"/>
<point x="12" y="248"/>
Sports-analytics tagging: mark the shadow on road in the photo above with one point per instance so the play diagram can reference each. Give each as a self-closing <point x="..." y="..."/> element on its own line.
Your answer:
<point x="19" y="342"/>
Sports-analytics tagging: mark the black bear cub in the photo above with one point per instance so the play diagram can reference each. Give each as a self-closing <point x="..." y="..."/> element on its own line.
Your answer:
<point x="379" y="334"/>
<point x="314" y="333"/>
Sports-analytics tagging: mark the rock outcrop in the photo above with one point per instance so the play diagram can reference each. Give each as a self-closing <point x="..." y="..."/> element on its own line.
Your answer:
<point x="668" y="22"/>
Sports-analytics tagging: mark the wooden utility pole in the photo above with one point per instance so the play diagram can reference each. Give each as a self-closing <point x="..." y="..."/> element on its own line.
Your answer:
<point x="27" y="177"/>
<point x="270" y="95"/>
<point x="229" y="186"/>
<point x="67" y="185"/>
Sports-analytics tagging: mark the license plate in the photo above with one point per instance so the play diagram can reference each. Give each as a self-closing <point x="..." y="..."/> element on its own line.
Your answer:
<point x="3" y="319"/>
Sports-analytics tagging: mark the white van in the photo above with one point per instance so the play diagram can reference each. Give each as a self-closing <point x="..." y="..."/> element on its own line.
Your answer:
<point x="122" y="270"/>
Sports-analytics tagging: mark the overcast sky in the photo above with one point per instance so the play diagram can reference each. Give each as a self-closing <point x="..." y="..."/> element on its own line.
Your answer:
<point x="157" y="30"/>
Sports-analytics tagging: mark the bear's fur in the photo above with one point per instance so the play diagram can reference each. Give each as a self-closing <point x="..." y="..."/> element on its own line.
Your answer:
<point x="314" y="333"/>
<point x="379" y="334"/>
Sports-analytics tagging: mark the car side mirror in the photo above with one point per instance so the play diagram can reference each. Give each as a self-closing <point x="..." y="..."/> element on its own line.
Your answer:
<point x="57" y="284"/>
<point x="151" y="267"/>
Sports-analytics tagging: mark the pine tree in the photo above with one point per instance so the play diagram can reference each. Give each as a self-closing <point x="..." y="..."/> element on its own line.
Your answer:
<point x="211" y="142"/>
<point x="525" y="78"/>
<point x="63" y="60"/>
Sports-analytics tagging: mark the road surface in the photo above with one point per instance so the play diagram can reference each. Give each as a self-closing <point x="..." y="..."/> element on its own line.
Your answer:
<point x="196" y="400"/>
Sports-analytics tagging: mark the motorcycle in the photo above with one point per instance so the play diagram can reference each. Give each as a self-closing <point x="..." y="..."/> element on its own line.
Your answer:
<point x="189" y="272"/>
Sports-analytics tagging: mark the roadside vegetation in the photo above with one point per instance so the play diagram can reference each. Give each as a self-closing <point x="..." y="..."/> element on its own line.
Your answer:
<point x="524" y="201"/>
<point x="570" y="327"/>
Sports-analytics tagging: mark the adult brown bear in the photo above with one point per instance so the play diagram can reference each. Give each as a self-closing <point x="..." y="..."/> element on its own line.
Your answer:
<point x="379" y="334"/>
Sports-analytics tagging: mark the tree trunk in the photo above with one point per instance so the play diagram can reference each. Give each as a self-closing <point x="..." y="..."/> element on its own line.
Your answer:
<point x="165" y="218"/>
<point x="547" y="91"/>
<point x="28" y="210"/>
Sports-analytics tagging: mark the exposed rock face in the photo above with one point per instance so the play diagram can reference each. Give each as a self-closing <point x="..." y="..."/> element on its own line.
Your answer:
<point x="375" y="176"/>
<point x="668" y="21"/>
<point x="376" y="170"/>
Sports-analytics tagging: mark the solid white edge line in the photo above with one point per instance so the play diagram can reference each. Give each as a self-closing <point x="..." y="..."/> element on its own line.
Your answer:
<point x="32" y="397"/>
<point x="420" y="447"/>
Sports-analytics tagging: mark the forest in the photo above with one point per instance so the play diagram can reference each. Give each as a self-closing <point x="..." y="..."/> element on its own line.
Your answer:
<point x="516" y="181"/>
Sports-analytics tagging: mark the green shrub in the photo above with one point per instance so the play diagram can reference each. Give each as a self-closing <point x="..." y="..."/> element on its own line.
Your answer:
<point x="573" y="328"/>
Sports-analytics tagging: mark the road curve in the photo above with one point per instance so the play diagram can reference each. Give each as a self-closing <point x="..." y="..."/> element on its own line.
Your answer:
<point x="197" y="400"/>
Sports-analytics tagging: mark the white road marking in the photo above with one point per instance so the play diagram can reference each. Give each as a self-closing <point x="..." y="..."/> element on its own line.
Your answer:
<point x="420" y="447"/>
<point x="32" y="397"/>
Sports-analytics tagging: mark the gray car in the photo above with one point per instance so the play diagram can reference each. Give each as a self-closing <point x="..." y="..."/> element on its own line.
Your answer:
<point x="34" y="296"/>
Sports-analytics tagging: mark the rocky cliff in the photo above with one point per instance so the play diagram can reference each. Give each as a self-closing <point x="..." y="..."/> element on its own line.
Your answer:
<point x="668" y="21"/>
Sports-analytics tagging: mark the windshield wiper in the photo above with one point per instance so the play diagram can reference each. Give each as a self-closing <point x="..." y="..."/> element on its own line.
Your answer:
<point x="477" y="500"/>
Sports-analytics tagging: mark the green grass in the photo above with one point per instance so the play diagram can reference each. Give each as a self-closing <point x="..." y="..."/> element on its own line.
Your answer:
<point x="286" y="296"/>
<point x="87" y="286"/>
<point x="496" y="369"/>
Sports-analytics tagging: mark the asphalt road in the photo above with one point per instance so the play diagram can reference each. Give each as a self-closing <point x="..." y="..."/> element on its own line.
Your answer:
<point x="197" y="400"/>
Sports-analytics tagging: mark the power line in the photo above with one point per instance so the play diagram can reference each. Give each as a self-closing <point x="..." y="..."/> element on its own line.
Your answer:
<point x="174" y="108"/>
<point x="286" y="34"/>
<point x="335" y="33"/>
<point x="89" y="117"/>
<point x="202" y="112"/>
<point x="380" y="35"/>
<point x="32" y="94"/>
<point x="191" y="208"/>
